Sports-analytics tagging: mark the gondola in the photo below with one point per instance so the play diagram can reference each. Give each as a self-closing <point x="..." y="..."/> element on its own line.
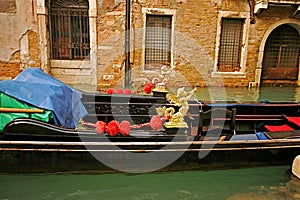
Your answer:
<point x="214" y="135"/>
<point x="32" y="146"/>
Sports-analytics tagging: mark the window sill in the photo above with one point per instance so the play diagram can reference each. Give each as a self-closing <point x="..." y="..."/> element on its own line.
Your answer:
<point x="229" y="74"/>
<point x="71" y="63"/>
<point x="149" y="72"/>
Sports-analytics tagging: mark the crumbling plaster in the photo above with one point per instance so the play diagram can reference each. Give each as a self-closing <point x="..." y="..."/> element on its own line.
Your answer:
<point x="14" y="28"/>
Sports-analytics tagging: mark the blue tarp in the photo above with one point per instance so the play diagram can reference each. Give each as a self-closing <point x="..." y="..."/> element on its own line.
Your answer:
<point x="35" y="87"/>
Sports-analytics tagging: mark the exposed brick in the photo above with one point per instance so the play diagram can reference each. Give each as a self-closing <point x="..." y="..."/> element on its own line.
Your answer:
<point x="195" y="29"/>
<point x="8" y="6"/>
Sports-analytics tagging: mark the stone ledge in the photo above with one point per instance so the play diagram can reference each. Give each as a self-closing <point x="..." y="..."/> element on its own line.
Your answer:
<point x="2" y="78"/>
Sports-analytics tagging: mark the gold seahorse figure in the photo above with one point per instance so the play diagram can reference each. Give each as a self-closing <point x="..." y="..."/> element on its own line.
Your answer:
<point x="176" y="120"/>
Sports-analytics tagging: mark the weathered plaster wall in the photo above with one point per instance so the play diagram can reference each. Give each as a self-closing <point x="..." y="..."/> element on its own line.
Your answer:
<point x="18" y="38"/>
<point x="194" y="40"/>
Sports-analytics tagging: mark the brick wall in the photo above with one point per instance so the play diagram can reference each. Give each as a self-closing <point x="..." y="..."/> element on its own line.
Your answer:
<point x="11" y="68"/>
<point x="195" y="32"/>
<point x="8" y="6"/>
<point x="34" y="49"/>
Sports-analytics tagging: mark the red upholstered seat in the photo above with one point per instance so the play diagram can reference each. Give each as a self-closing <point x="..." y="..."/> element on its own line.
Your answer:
<point x="294" y="120"/>
<point x="278" y="128"/>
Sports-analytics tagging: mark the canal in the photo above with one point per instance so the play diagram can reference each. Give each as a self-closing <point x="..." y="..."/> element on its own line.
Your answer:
<point x="283" y="94"/>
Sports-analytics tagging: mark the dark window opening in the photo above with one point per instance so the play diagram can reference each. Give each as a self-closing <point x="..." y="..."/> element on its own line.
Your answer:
<point x="281" y="54"/>
<point x="229" y="58"/>
<point x="69" y="29"/>
<point x="158" y="41"/>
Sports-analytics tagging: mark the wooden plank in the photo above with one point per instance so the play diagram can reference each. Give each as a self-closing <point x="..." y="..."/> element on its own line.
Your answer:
<point x="21" y="110"/>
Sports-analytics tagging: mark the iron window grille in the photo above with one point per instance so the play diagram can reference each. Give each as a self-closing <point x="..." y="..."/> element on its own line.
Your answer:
<point x="158" y="41"/>
<point x="229" y="57"/>
<point x="281" y="54"/>
<point x="69" y="29"/>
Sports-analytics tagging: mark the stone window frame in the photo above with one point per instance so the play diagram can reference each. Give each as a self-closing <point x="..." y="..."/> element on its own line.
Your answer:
<point x="258" y="70"/>
<point x="237" y="15"/>
<point x="69" y="42"/>
<point x="158" y="33"/>
<point x="157" y="11"/>
<point x="46" y="62"/>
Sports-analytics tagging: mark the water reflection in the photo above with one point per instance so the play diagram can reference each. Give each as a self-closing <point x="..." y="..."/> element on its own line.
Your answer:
<point x="294" y="186"/>
<point x="239" y="94"/>
<point x="244" y="94"/>
<point x="287" y="191"/>
<point x="279" y="93"/>
<point x="246" y="184"/>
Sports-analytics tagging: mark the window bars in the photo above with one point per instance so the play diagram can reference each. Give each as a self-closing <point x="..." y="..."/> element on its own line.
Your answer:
<point x="229" y="57"/>
<point x="281" y="54"/>
<point x="69" y="29"/>
<point x="158" y="41"/>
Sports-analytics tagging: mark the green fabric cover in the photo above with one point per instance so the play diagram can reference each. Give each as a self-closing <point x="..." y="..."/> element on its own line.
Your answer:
<point x="10" y="102"/>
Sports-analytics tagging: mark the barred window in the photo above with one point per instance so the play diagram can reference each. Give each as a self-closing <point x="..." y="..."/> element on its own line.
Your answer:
<point x="69" y="29"/>
<point x="158" y="41"/>
<point x="281" y="54"/>
<point x="229" y="57"/>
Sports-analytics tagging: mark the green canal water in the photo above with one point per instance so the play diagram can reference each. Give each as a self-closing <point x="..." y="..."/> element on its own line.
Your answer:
<point x="246" y="94"/>
<point x="249" y="183"/>
<point x="274" y="182"/>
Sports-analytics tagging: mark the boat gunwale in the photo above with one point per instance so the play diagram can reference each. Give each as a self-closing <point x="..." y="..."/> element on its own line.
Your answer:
<point x="110" y="143"/>
<point x="144" y="150"/>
